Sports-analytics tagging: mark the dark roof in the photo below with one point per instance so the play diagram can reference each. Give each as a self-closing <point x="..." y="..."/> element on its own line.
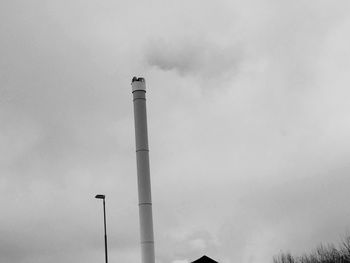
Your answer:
<point x="205" y="259"/>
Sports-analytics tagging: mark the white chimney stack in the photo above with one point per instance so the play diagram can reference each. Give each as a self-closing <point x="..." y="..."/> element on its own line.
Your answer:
<point x="143" y="171"/>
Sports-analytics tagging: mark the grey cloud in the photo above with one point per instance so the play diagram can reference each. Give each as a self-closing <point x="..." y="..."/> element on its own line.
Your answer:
<point x="189" y="246"/>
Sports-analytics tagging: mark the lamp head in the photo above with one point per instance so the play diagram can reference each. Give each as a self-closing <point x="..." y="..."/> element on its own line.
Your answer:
<point x="100" y="196"/>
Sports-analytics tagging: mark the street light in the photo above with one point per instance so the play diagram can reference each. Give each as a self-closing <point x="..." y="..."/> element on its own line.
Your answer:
<point x="103" y="197"/>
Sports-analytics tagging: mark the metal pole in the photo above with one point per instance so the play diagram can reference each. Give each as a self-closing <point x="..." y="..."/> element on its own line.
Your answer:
<point x="105" y="226"/>
<point x="143" y="171"/>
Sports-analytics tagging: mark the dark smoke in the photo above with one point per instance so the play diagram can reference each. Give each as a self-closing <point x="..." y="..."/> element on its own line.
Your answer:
<point x="193" y="58"/>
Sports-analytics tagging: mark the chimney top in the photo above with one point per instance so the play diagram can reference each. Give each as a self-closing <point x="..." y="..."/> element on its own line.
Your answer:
<point x="137" y="79"/>
<point x="138" y="84"/>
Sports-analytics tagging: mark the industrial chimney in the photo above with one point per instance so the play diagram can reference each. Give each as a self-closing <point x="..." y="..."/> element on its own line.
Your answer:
<point x="143" y="171"/>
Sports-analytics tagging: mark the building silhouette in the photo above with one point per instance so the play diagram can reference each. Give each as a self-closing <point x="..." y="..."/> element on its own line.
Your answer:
<point x="204" y="259"/>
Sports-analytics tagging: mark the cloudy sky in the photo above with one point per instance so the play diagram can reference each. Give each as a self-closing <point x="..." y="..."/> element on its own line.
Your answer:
<point x="249" y="126"/>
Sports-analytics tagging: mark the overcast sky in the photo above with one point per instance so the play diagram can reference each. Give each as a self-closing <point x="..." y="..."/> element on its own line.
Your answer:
<point x="249" y="126"/>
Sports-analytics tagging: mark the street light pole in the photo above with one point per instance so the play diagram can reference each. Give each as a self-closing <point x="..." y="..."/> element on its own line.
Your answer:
<point x="103" y="197"/>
